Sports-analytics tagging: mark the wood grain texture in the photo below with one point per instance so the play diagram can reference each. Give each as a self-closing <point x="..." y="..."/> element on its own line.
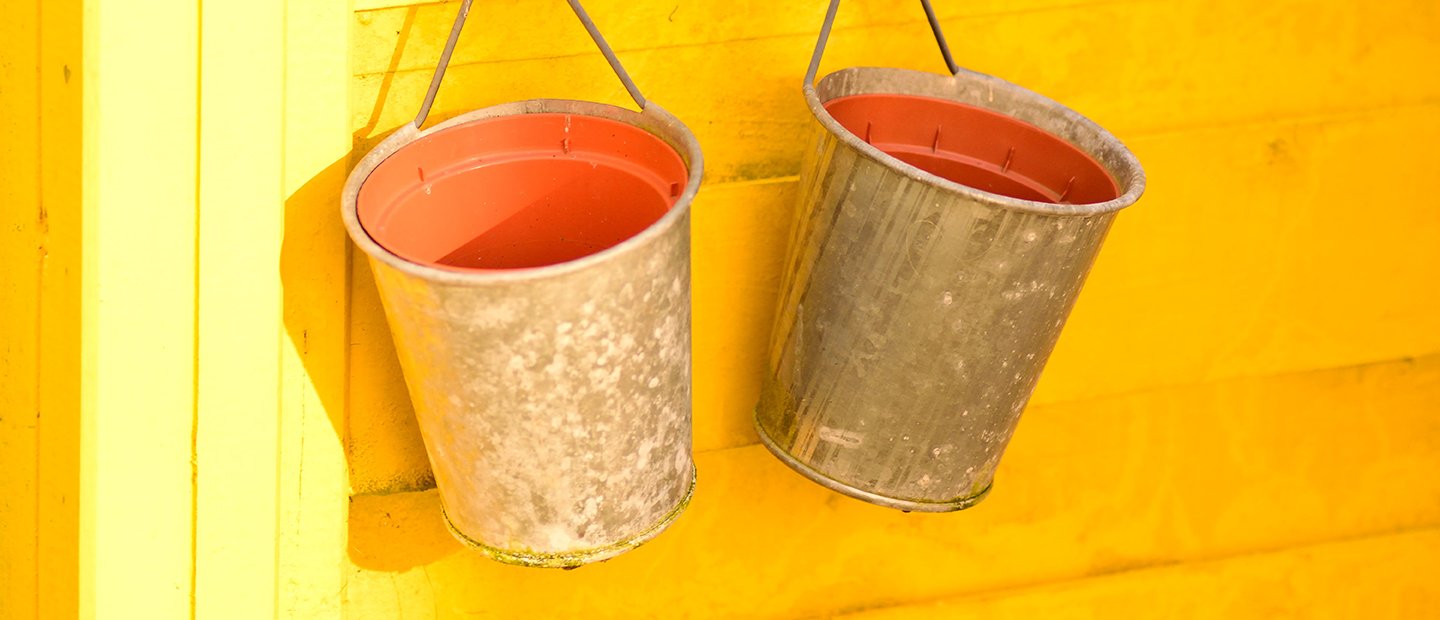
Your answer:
<point x="198" y="390"/>
<point x="22" y="238"/>
<point x="1388" y="576"/>
<point x="1158" y="478"/>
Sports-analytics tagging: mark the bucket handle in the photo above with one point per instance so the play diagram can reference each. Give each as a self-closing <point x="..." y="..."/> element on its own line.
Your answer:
<point x="830" y="21"/>
<point x="584" y="20"/>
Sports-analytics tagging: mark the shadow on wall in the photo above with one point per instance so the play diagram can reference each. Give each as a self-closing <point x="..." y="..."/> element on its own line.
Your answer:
<point x="335" y="320"/>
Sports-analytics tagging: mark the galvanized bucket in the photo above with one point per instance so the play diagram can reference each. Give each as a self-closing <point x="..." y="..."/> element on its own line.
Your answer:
<point x="533" y="261"/>
<point x="945" y="226"/>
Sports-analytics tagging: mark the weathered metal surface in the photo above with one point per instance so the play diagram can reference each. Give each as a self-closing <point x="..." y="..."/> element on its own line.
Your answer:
<point x="918" y="313"/>
<point x="554" y="401"/>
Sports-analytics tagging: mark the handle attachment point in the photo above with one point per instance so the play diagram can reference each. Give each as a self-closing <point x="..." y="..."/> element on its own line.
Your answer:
<point x="830" y="23"/>
<point x="585" y="20"/>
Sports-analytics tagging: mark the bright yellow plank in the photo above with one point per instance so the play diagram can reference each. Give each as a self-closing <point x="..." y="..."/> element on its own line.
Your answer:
<point x="1136" y="67"/>
<point x="1381" y="577"/>
<point x="498" y="31"/>
<point x="139" y="276"/>
<point x="1088" y="488"/>
<point x="239" y="331"/>
<point x="1308" y="262"/>
<point x="22" y="240"/>
<point x="313" y="267"/>
<point x="61" y="74"/>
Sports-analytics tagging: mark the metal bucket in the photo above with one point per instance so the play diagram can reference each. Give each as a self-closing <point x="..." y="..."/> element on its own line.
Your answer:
<point x="946" y="224"/>
<point x="533" y="261"/>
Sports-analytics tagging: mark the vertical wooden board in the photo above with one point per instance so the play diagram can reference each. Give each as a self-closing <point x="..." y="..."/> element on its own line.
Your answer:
<point x="62" y="78"/>
<point x="314" y="270"/>
<point x="139" y="297"/>
<point x="1381" y="577"/>
<point x="240" y="228"/>
<point x="1088" y="488"/>
<point x="21" y="243"/>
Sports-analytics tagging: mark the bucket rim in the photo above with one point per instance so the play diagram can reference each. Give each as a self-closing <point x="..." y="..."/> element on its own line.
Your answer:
<point x="1125" y="171"/>
<point x="652" y="119"/>
<point x="853" y="491"/>
<point x="581" y="557"/>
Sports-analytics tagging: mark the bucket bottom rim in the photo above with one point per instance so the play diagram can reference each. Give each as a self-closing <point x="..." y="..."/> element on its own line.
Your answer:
<point x="573" y="559"/>
<point x="823" y="480"/>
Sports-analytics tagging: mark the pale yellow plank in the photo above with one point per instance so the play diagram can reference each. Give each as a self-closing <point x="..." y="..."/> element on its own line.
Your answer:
<point x="1088" y="488"/>
<point x="1381" y="577"/>
<point x="239" y="331"/>
<point x="62" y="86"/>
<point x="1260" y="250"/>
<point x="22" y="239"/>
<point x="313" y="266"/>
<point x="1136" y="67"/>
<point x="138" y="374"/>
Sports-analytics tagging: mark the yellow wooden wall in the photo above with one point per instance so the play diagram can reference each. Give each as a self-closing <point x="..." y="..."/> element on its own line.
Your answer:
<point x="40" y="250"/>
<point x="1242" y="418"/>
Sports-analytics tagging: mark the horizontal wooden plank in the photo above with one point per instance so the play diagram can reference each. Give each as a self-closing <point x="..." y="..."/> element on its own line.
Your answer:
<point x="1137" y="68"/>
<point x="1381" y="577"/>
<point x="1274" y="249"/>
<point x="408" y="36"/>
<point x="1195" y="473"/>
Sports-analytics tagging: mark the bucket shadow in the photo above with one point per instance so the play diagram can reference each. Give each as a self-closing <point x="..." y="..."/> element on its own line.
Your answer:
<point x="334" y="318"/>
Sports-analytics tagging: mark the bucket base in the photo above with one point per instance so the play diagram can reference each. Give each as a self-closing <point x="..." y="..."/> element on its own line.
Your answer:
<point x="572" y="559"/>
<point x="861" y="494"/>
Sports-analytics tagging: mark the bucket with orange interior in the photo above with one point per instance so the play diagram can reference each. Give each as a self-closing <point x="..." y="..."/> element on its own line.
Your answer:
<point x="533" y="261"/>
<point x="944" y="228"/>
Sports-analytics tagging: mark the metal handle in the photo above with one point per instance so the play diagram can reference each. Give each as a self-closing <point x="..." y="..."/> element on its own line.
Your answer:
<point x="584" y="20"/>
<point x="830" y="22"/>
